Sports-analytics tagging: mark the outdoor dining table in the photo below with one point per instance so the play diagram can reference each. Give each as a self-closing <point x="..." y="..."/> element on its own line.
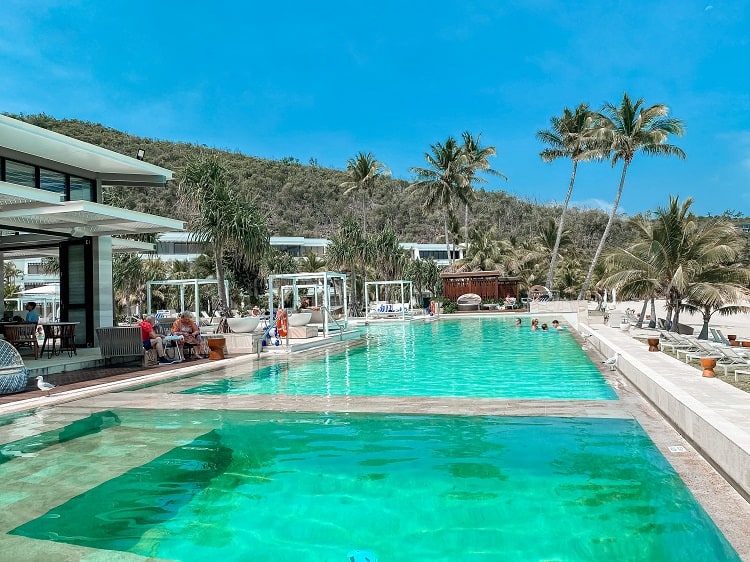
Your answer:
<point x="61" y="336"/>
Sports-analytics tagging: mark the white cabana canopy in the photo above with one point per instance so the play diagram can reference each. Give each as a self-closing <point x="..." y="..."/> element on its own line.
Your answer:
<point x="404" y="288"/>
<point x="183" y="284"/>
<point x="328" y="292"/>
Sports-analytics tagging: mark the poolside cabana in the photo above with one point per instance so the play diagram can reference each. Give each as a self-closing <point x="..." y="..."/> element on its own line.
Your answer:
<point x="184" y="284"/>
<point x="388" y="308"/>
<point x="489" y="285"/>
<point x="326" y="291"/>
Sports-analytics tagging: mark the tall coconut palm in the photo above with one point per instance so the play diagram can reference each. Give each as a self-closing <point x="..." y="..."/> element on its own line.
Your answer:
<point x="219" y="215"/>
<point x="363" y="170"/>
<point x="624" y="131"/>
<point x="477" y="160"/>
<point x="568" y="137"/>
<point x="443" y="181"/>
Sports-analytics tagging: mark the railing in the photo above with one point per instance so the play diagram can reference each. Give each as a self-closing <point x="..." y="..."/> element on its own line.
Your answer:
<point x="341" y="329"/>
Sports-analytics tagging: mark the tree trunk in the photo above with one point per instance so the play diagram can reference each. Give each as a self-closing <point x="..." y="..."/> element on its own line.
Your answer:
<point x="653" y="313"/>
<point x="676" y="321"/>
<point x="639" y="324"/>
<point x="553" y="260"/>
<point x="447" y="241"/>
<point x="603" y="241"/>
<point x="466" y="222"/>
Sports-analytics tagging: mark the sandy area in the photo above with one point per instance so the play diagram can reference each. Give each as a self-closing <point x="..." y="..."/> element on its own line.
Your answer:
<point x="738" y="324"/>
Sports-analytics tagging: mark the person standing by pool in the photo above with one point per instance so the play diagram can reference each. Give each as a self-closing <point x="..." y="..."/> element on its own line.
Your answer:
<point x="153" y="341"/>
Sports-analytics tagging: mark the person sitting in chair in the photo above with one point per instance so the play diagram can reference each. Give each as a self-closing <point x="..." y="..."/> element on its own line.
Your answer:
<point x="153" y="341"/>
<point x="186" y="327"/>
<point x="31" y="314"/>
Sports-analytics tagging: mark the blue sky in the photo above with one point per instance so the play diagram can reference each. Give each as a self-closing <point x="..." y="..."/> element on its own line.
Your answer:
<point x="326" y="80"/>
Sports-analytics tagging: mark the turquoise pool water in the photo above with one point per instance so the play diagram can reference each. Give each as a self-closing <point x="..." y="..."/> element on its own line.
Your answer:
<point x="241" y="486"/>
<point x="475" y="358"/>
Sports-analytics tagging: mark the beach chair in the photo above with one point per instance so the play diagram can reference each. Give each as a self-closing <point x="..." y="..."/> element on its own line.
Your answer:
<point x="732" y="359"/>
<point x="676" y="341"/>
<point x="740" y="372"/>
<point x="704" y="349"/>
<point x="13" y="374"/>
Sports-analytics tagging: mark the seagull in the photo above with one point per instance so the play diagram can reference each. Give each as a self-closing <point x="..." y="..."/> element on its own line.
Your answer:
<point x="612" y="361"/>
<point x="44" y="386"/>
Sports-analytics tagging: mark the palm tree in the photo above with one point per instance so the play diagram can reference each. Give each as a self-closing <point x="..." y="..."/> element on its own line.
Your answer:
<point x="219" y="215"/>
<point x="691" y="262"/>
<point x="424" y="275"/>
<point x="443" y="181"/>
<point x="568" y="137"/>
<point x="311" y="262"/>
<point x="363" y="170"/>
<point x="476" y="161"/>
<point x="719" y="289"/>
<point x="345" y="251"/>
<point x="484" y="251"/>
<point x="625" y="130"/>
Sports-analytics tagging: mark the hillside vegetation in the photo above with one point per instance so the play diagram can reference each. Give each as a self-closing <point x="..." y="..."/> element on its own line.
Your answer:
<point x="308" y="200"/>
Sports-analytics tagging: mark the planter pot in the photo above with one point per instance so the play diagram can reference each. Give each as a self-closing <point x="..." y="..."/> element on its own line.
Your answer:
<point x="731" y="337"/>
<point x="708" y="365"/>
<point x="653" y="344"/>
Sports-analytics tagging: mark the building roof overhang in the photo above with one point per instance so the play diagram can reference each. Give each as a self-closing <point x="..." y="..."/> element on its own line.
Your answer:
<point x="47" y="148"/>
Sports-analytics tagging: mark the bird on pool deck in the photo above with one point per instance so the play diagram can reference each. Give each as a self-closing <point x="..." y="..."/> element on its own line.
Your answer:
<point x="612" y="361"/>
<point x="44" y="386"/>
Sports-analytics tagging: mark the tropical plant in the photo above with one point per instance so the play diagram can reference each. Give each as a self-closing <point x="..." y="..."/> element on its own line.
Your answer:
<point x="424" y="275"/>
<point x="692" y="263"/>
<point x="363" y="170"/>
<point x="311" y="262"/>
<point x="485" y="251"/>
<point x="345" y="252"/>
<point x="624" y="131"/>
<point x="219" y="215"/>
<point x="477" y="160"/>
<point x="568" y="137"/>
<point x="443" y="181"/>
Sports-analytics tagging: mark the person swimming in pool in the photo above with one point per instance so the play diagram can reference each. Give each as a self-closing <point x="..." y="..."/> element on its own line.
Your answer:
<point x="534" y="324"/>
<point x="518" y="321"/>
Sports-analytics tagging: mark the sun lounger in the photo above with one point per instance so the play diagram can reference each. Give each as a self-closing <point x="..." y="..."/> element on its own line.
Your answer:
<point x="703" y="349"/>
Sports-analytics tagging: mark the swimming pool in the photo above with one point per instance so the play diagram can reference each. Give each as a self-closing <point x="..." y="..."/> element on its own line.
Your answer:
<point x="471" y="357"/>
<point x="222" y="485"/>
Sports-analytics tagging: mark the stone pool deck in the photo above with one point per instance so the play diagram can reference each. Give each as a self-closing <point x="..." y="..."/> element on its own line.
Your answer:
<point x="701" y="425"/>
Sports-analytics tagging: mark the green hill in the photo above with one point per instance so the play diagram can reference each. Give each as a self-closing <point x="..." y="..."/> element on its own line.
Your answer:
<point x="306" y="200"/>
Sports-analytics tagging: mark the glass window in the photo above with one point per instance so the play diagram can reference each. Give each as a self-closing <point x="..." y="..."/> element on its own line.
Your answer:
<point x="52" y="181"/>
<point x="20" y="174"/>
<point x="81" y="189"/>
<point x="35" y="268"/>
